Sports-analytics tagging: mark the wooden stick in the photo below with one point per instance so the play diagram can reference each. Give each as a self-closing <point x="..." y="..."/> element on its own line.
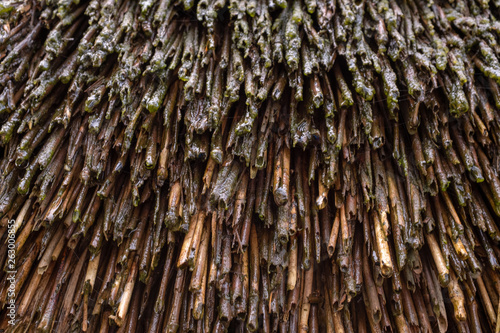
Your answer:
<point x="252" y="321"/>
<point x="119" y="318"/>
<point x="186" y="245"/>
<point x="306" y="305"/>
<point x="90" y="277"/>
<point x="457" y="298"/>
<point x="47" y="255"/>
<point x="292" y="265"/>
<point x="332" y="243"/>
<point x="486" y="302"/>
<point x="382" y="247"/>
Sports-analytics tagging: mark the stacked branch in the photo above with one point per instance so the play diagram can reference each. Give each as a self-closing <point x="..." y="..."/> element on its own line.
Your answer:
<point x="237" y="166"/>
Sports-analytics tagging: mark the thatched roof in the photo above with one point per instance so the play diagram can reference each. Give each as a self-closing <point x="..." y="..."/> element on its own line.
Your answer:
<point x="250" y="165"/>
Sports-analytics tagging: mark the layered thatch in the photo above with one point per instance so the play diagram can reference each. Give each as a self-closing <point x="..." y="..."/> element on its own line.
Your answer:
<point x="250" y="165"/>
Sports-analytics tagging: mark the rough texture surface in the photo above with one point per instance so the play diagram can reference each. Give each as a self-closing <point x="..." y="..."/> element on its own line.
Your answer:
<point x="213" y="165"/>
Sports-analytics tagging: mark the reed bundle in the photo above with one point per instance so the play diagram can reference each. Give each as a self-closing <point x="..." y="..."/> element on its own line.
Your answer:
<point x="251" y="165"/>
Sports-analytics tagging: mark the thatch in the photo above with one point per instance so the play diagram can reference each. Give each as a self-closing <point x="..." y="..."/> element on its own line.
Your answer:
<point x="271" y="165"/>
